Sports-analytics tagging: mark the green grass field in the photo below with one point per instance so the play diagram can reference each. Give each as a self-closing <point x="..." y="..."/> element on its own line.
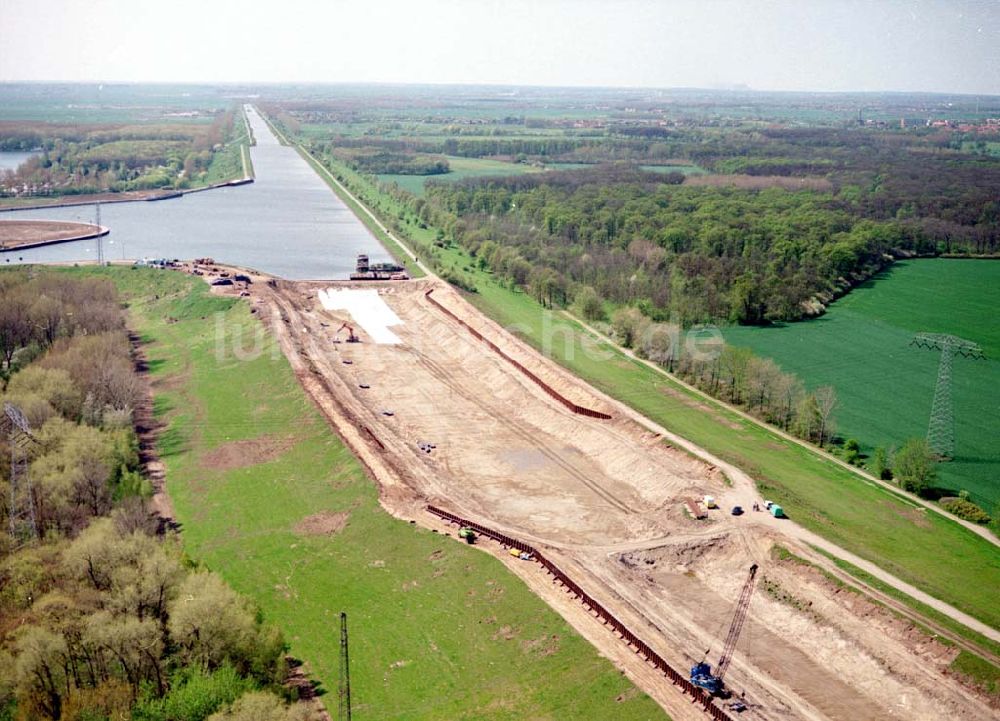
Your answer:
<point x="461" y="168"/>
<point x="931" y="552"/>
<point x="885" y="387"/>
<point x="438" y="630"/>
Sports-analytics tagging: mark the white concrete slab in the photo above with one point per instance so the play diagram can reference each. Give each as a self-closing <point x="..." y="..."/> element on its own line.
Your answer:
<point x="368" y="310"/>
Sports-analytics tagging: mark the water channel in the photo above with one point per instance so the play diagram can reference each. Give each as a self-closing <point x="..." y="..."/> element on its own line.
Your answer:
<point x="288" y="223"/>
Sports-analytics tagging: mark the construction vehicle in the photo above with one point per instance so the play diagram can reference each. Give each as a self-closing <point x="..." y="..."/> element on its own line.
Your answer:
<point x="351" y="338"/>
<point x="523" y="555"/>
<point x="701" y="672"/>
<point x="365" y="270"/>
<point x="468" y="534"/>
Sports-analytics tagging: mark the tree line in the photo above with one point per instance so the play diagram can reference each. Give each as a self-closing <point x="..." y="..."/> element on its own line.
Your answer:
<point x="102" y="617"/>
<point x="74" y="160"/>
<point x="697" y="254"/>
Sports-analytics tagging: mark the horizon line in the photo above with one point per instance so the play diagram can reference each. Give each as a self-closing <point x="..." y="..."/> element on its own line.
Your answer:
<point x="735" y="88"/>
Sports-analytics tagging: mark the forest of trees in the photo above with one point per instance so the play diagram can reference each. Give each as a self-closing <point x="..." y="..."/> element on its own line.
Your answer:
<point x="101" y="617"/>
<point x="696" y="254"/>
<point x="821" y="209"/>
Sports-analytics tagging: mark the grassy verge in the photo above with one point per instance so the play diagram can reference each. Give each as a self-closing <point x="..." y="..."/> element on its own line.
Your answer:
<point x="924" y="610"/>
<point x="438" y="630"/>
<point x="927" y="550"/>
<point x="978" y="670"/>
<point x="973" y="667"/>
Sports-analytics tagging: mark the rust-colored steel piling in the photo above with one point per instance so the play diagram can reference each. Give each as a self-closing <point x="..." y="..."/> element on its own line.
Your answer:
<point x="581" y="410"/>
<point x="606" y="617"/>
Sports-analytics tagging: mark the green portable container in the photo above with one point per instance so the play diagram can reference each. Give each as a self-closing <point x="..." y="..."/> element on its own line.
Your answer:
<point x="776" y="511"/>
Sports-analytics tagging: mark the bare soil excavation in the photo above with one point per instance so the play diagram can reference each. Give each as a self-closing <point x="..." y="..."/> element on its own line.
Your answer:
<point x="441" y="418"/>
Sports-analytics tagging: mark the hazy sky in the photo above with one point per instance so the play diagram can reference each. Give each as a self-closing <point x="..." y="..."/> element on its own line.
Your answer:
<point x="937" y="45"/>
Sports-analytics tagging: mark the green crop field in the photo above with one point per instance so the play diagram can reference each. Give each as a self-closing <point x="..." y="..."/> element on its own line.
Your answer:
<point x="438" y="630"/>
<point x="885" y="387"/>
<point x="461" y="168"/>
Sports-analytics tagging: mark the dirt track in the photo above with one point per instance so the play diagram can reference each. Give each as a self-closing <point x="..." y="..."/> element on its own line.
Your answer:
<point x="605" y="498"/>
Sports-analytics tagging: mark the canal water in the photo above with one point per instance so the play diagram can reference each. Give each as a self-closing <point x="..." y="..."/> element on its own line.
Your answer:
<point x="288" y="223"/>
<point x="10" y="159"/>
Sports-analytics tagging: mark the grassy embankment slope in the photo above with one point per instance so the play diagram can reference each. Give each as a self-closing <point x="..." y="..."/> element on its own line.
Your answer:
<point x="438" y="630"/>
<point x="861" y="347"/>
<point x="924" y="549"/>
<point x="232" y="162"/>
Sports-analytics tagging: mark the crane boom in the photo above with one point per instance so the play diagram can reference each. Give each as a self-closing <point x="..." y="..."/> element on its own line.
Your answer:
<point x="736" y="627"/>
<point x="701" y="673"/>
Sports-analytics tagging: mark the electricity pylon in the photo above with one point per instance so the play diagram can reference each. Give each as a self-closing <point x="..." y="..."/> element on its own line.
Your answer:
<point x="941" y="429"/>
<point x="21" y="512"/>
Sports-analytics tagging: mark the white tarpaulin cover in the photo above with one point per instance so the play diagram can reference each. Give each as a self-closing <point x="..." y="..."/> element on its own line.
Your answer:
<point x="367" y="309"/>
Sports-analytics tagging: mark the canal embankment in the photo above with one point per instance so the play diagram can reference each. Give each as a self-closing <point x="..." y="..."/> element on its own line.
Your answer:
<point x="15" y="234"/>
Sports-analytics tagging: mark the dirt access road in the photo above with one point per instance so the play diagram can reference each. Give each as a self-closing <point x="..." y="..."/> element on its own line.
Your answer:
<point x="604" y="499"/>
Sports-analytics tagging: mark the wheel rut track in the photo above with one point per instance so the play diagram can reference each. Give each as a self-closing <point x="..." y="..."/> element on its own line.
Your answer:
<point x="553" y="455"/>
<point x="291" y="308"/>
<point x="315" y="362"/>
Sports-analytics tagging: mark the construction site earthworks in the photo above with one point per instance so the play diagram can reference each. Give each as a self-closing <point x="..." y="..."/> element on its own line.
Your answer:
<point x="605" y="513"/>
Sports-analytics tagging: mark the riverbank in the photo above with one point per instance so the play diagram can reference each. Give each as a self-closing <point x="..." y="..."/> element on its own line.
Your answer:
<point x="16" y="234"/>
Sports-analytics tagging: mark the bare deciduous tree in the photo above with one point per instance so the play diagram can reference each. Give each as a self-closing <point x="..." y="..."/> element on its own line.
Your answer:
<point x="826" y="401"/>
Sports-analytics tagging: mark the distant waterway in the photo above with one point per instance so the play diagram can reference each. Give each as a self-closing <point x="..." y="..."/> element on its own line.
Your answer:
<point x="11" y="159"/>
<point x="288" y="223"/>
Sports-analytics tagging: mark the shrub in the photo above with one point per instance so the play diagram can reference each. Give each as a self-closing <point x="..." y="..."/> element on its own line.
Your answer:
<point x="262" y="706"/>
<point x="966" y="509"/>
<point x="194" y="697"/>
<point x="852" y="452"/>
<point x="459" y="279"/>
<point x="879" y="464"/>
<point x="588" y="304"/>
<point x="914" y="465"/>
